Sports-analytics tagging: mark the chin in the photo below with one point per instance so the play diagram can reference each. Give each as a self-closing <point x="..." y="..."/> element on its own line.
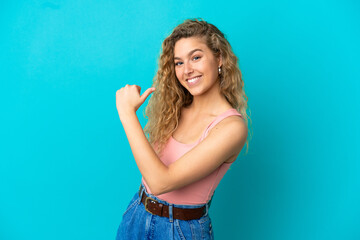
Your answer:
<point x="196" y="92"/>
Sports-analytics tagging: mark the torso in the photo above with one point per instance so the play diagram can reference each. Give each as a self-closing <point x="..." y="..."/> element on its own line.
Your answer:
<point x="192" y="126"/>
<point x="192" y="130"/>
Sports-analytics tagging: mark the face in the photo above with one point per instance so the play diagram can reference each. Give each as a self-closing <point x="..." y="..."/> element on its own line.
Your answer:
<point x="196" y="67"/>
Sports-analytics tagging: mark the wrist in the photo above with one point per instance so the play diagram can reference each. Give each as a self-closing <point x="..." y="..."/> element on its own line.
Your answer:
<point x="127" y="115"/>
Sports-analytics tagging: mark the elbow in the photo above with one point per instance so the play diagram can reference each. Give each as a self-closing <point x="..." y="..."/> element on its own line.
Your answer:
<point x="156" y="192"/>
<point x="158" y="188"/>
<point x="160" y="183"/>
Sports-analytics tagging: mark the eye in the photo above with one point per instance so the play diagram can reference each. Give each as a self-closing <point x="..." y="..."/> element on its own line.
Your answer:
<point x="196" y="58"/>
<point x="178" y="63"/>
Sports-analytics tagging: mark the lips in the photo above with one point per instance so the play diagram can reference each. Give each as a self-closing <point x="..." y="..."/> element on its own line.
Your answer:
<point x="193" y="81"/>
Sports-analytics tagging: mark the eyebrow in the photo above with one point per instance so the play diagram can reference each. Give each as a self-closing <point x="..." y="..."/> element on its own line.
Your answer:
<point x="191" y="52"/>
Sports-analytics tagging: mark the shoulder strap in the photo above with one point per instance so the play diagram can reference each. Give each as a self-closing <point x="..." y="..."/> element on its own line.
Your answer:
<point x="219" y="118"/>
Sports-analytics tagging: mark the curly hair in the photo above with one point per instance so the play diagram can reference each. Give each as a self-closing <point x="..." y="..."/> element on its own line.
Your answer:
<point x="164" y="107"/>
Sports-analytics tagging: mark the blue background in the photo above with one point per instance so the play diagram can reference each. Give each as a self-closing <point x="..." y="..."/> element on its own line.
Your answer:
<point x="66" y="170"/>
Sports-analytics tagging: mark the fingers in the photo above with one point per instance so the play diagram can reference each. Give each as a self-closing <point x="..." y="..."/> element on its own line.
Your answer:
<point x="127" y="88"/>
<point x="138" y="88"/>
<point x="147" y="93"/>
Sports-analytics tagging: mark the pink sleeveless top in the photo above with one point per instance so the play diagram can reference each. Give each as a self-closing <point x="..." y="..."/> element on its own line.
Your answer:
<point x="201" y="191"/>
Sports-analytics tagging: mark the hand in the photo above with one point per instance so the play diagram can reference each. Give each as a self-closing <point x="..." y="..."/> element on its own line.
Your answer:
<point x="128" y="99"/>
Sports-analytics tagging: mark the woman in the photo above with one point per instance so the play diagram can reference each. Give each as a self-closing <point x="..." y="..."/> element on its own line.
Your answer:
<point x="197" y="126"/>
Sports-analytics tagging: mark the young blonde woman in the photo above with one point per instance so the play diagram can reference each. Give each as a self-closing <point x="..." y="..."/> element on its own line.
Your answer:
<point x="197" y="126"/>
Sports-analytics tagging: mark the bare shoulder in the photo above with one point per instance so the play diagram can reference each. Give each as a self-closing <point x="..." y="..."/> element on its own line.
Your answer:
<point x="233" y="131"/>
<point x="232" y="126"/>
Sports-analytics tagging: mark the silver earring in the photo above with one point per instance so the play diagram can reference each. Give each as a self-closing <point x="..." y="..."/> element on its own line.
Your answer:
<point x="219" y="69"/>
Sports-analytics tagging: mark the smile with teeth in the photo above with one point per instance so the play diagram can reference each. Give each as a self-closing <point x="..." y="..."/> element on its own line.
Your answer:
<point x="192" y="80"/>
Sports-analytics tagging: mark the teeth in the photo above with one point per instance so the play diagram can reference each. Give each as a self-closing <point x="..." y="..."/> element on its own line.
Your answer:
<point x="193" y="79"/>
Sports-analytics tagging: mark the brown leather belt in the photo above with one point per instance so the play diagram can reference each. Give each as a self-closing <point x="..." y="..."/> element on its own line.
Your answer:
<point x="154" y="207"/>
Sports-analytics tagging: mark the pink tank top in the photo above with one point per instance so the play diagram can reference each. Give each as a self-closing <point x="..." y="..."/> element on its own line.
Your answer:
<point x="201" y="191"/>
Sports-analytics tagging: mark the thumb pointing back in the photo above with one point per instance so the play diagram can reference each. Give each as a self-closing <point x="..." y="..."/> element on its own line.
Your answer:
<point x="146" y="94"/>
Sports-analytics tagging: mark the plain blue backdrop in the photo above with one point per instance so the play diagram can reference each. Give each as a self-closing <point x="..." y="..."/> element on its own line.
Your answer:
<point x="67" y="172"/>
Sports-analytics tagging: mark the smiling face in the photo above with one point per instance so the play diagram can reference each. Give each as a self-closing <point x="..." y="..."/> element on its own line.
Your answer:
<point x="196" y="67"/>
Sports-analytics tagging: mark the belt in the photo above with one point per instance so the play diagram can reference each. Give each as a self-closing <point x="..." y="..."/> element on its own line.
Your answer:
<point x="154" y="207"/>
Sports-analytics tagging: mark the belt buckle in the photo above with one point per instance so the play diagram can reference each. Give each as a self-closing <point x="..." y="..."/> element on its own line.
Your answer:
<point x="146" y="203"/>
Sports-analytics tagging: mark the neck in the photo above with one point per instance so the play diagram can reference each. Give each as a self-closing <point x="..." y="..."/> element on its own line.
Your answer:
<point x="212" y="102"/>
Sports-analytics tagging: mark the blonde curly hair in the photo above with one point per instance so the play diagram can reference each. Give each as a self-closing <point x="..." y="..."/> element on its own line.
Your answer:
<point x="164" y="107"/>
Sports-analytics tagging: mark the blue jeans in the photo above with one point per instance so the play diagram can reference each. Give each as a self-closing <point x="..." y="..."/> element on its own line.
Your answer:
<point x="137" y="223"/>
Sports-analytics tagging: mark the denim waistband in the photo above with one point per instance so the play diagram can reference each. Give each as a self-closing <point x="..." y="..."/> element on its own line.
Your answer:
<point x="142" y="190"/>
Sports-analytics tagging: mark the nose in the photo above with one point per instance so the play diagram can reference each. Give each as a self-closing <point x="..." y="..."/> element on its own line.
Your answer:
<point x="188" y="68"/>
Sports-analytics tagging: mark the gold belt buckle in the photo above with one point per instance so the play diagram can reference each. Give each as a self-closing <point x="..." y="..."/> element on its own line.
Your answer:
<point x="146" y="203"/>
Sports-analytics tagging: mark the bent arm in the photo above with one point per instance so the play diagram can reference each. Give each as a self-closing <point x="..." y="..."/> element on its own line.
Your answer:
<point x="223" y="142"/>
<point x="151" y="167"/>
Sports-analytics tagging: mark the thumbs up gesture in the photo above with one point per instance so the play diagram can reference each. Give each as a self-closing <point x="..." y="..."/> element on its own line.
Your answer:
<point x="128" y="99"/>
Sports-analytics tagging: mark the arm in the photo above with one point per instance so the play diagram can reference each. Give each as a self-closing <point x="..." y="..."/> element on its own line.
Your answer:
<point x="224" y="141"/>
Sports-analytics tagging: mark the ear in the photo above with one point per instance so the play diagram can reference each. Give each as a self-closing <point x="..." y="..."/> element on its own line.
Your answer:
<point x="220" y="60"/>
